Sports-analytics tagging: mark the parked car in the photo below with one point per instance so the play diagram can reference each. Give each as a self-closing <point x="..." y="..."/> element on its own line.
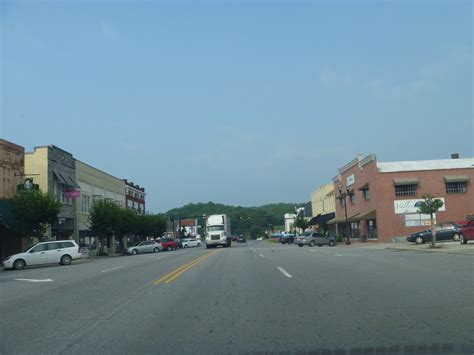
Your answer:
<point x="314" y="238"/>
<point x="259" y="238"/>
<point x="147" y="246"/>
<point x="466" y="232"/>
<point x="189" y="243"/>
<point x="241" y="239"/>
<point x="55" y="252"/>
<point x="444" y="231"/>
<point x="287" y="238"/>
<point x="168" y="243"/>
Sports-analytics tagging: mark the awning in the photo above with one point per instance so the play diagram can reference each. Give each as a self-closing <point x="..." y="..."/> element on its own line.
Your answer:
<point x="367" y="215"/>
<point x="456" y="178"/>
<point x="321" y="219"/>
<point x="60" y="178"/>
<point x="405" y="181"/>
<point x="65" y="179"/>
<point x="364" y="187"/>
<point x="342" y="219"/>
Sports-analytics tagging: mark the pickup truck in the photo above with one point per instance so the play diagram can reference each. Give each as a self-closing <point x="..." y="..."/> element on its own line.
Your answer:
<point x="168" y="243"/>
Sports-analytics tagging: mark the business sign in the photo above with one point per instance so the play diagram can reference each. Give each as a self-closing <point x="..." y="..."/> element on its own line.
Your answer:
<point x="72" y="193"/>
<point x="350" y="180"/>
<point x="412" y="206"/>
<point x="418" y="220"/>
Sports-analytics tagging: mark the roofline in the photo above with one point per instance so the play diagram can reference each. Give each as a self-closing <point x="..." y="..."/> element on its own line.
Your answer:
<point x="19" y="147"/>
<point x="51" y="146"/>
<point x="93" y="167"/>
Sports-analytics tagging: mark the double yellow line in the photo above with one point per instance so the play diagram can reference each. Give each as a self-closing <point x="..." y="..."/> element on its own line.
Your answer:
<point x="181" y="270"/>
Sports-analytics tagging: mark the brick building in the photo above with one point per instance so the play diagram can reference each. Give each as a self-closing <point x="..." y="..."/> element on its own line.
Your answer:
<point x="12" y="166"/>
<point x="134" y="197"/>
<point x="381" y="198"/>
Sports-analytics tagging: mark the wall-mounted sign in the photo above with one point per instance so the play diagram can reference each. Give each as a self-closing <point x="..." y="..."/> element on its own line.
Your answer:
<point x="27" y="185"/>
<point x="350" y="180"/>
<point x="418" y="220"/>
<point x="412" y="206"/>
<point x="72" y="193"/>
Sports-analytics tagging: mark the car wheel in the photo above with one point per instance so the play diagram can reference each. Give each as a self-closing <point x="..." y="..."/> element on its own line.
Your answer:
<point x="300" y="245"/>
<point x="66" y="260"/>
<point x="419" y="240"/>
<point x="462" y="240"/>
<point x="456" y="237"/>
<point x="198" y="245"/>
<point x="331" y="243"/>
<point x="19" y="264"/>
<point x="134" y="252"/>
<point x="185" y="246"/>
<point x="170" y="248"/>
<point x="156" y="250"/>
<point x="311" y="244"/>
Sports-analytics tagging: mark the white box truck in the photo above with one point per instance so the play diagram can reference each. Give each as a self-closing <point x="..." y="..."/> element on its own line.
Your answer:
<point x="218" y="231"/>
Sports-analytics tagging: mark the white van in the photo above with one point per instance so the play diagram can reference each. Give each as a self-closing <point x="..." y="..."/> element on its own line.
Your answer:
<point x="54" y="252"/>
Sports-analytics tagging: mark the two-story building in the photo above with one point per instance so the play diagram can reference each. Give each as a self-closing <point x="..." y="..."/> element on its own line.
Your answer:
<point x="12" y="168"/>
<point x="54" y="170"/>
<point x="134" y="197"/>
<point x="95" y="185"/>
<point x="323" y="204"/>
<point x="380" y="199"/>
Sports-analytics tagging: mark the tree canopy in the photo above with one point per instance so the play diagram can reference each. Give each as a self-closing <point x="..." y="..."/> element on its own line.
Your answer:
<point x="33" y="210"/>
<point x="250" y="221"/>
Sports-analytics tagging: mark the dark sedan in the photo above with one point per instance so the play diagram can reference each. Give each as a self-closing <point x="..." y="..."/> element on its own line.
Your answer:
<point x="287" y="239"/>
<point x="444" y="231"/>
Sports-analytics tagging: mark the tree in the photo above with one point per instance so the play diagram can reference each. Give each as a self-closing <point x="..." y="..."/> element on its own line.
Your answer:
<point x="430" y="206"/>
<point x="33" y="211"/>
<point x="300" y="221"/>
<point x="105" y="218"/>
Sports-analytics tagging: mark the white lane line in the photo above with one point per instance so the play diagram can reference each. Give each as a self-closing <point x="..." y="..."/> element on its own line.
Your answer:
<point x="260" y="255"/>
<point x="338" y="255"/>
<point x="34" y="280"/>
<point x="114" y="268"/>
<point x="284" y="272"/>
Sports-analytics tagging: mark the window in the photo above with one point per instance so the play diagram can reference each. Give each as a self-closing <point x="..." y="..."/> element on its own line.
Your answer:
<point x="342" y="201"/>
<point x="54" y="246"/>
<point x="365" y="194"/>
<point x="67" y="245"/>
<point x="352" y="198"/>
<point x="355" y="229"/>
<point x="405" y="190"/>
<point x="85" y="203"/>
<point x="39" y="248"/>
<point x="456" y="187"/>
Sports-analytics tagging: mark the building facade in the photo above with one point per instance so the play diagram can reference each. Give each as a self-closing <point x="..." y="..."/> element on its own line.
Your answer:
<point x="54" y="170"/>
<point x="323" y="204"/>
<point x="95" y="185"/>
<point x="12" y="168"/>
<point x="134" y="197"/>
<point x="381" y="198"/>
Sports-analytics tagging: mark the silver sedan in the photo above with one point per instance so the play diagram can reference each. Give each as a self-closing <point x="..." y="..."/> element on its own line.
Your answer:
<point x="147" y="246"/>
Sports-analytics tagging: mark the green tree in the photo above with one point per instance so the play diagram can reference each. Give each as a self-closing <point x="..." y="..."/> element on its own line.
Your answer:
<point x="430" y="206"/>
<point x="105" y="218"/>
<point x="33" y="210"/>
<point x="300" y="221"/>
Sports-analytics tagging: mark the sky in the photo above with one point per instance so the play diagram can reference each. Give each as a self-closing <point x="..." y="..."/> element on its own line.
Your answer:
<point x="237" y="102"/>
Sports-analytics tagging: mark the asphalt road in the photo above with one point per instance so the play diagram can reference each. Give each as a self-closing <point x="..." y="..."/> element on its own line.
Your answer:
<point x="252" y="298"/>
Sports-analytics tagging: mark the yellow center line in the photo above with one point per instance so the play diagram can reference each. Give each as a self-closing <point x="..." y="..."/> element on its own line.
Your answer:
<point x="187" y="268"/>
<point x="190" y="264"/>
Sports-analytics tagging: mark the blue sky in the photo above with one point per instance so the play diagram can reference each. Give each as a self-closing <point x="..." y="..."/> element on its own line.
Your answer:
<point x="244" y="102"/>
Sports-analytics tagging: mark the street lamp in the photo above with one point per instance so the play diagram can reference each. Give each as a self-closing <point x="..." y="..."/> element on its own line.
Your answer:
<point x="342" y="196"/>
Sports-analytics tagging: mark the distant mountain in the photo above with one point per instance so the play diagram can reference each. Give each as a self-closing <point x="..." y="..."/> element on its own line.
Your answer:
<point x="250" y="221"/>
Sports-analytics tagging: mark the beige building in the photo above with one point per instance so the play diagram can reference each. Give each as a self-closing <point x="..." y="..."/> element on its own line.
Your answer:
<point x="323" y="203"/>
<point x="323" y="200"/>
<point x="12" y="162"/>
<point x="95" y="185"/>
<point x="53" y="169"/>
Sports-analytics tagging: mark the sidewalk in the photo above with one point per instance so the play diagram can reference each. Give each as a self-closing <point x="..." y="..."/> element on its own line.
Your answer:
<point x="442" y="247"/>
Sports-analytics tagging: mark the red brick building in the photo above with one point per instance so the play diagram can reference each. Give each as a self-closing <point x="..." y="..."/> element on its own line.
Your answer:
<point x="381" y="198"/>
<point x="134" y="197"/>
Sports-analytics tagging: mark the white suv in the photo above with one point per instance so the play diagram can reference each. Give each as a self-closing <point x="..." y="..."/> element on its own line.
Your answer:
<point x="53" y="252"/>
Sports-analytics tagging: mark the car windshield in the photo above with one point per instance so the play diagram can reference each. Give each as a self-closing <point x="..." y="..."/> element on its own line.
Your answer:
<point x="337" y="133"/>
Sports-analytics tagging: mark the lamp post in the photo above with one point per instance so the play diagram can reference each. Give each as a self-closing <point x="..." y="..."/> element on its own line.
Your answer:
<point x="342" y="196"/>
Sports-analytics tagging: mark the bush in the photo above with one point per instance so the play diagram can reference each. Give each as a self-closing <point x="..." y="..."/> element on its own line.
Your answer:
<point x="339" y="239"/>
